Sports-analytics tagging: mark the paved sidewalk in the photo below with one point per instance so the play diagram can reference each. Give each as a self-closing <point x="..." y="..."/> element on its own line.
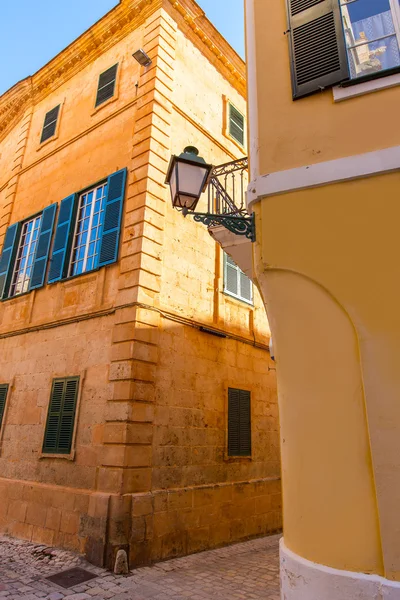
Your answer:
<point x="242" y="571"/>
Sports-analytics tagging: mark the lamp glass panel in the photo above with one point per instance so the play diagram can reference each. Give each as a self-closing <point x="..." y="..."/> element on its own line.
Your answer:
<point x="172" y="183"/>
<point x="191" y="179"/>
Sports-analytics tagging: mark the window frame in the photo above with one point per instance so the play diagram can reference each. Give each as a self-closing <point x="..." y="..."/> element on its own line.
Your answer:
<point x="18" y="245"/>
<point x="236" y="457"/>
<point x="78" y="197"/>
<point x="239" y="272"/>
<point x="71" y="454"/>
<point x="57" y="122"/>
<point x="99" y="106"/>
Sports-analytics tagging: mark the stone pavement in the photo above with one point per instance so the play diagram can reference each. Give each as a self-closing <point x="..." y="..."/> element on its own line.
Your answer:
<point x="242" y="571"/>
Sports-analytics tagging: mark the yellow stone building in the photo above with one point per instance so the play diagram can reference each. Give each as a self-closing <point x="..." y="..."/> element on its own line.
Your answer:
<point x="324" y="97"/>
<point x="138" y="404"/>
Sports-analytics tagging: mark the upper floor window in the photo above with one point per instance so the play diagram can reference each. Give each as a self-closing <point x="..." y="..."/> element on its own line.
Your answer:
<point x="60" y="423"/>
<point x="3" y="398"/>
<point x="89" y="222"/>
<point x="25" y="254"/>
<point x="106" y="85"/>
<point x="88" y="229"/>
<point x="236" y="124"/>
<point x="372" y="34"/>
<point x="236" y="283"/>
<point x="239" y="423"/>
<point x="50" y="124"/>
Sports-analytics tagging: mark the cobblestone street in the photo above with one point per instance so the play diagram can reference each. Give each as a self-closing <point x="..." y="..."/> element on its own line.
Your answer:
<point x="247" y="570"/>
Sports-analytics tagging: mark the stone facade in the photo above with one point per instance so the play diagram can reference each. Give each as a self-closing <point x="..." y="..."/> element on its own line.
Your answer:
<point x="148" y="470"/>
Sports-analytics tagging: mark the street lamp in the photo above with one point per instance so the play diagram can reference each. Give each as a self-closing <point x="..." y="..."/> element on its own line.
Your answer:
<point x="187" y="177"/>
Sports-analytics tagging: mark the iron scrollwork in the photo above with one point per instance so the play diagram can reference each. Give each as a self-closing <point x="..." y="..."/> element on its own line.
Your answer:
<point x="238" y="225"/>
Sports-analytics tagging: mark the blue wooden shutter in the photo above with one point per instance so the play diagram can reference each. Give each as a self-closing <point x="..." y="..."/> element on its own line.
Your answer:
<point x="43" y="247"/>
<point x="112" y="218"/>
<point x="7" y="257"/>
<point x="3" y="398"/>
<point x="318" y="49"/>
<point x="62" y="239"/>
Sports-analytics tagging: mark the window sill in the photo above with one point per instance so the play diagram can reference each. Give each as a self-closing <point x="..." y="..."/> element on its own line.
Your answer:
<point x="104" y="104"/>
<point x="360" y="88"/>
<point x="70" y="456"/>
<point x="249" y="303"/>
<point x="46" y="142"/>
<point x="236" y="459"/>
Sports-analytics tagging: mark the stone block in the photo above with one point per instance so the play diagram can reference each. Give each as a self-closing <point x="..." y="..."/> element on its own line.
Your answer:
<point x="198" y="539"/>
<point x="53" y="518"/>
<point x="69" y="522"/>
<point x="43" y="536"/>
<point x="17" y="510"/>
<point x="142" y="505"/>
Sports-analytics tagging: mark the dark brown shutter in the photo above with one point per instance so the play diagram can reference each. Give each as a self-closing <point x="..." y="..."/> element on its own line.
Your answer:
<point x="106" y="86"/>
<point x="61" y="416"/>
<point x="239" y="423"/>
<point x="50" y="124"/>
<point x="318" y="49"/>
<point x="3" y="398"/>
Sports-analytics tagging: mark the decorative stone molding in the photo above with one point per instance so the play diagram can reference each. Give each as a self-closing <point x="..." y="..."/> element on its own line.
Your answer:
<point x="115" y="25"/>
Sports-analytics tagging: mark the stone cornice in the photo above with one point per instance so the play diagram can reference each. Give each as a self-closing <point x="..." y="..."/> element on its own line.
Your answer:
<point x="115" y="25"/>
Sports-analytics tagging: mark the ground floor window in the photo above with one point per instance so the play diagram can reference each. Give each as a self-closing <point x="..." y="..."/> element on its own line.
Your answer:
<point x="239" y="423"/>
<point x="372" y="33"/>
<point x="61" y="416"/>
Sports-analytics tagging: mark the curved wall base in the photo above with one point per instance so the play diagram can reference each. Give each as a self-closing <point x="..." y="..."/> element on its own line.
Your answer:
<point x="302" y="579"/>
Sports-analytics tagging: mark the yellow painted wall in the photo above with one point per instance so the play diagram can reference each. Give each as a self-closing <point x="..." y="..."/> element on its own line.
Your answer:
<point x="326" y="264"/>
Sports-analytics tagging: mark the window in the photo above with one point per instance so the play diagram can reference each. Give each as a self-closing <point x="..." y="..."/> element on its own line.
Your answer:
<point x="239" y="423"/>
<point x="61" y="416"/>
<point x="334" y="42"/>
<point x="25" y="254"/>
<point x="3" y="398"/>
<point x="88" y="229"/>
<point x="236" y="124"/>
<point x="372" y="34"/>
<point x="50" y="124"/>
<point x="86" y="243"/>
<point x="236" y="283"/>
<point x="106" y="85"/>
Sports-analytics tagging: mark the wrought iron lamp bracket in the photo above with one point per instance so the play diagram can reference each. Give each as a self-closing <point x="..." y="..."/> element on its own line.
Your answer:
<point x="237" y="225"/>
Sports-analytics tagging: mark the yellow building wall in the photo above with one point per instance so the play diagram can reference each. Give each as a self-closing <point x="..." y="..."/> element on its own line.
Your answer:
<point x="152" y="411"/>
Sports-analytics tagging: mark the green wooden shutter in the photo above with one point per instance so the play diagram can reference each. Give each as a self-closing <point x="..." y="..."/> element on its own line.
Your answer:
<point x="112" y="218"/>
<point x="50" y="124"/>
<point x="64" y="231"/>
<point x="3" y="398"/>
<point x="43" y="247"/>
<point x="317" y="44"/>
<point x="61" y="416"/>
<point x="236" y="124"/>
<point x="106" y="85"/>
<point x="8" y="256"/>
<point x="239" y="423"/>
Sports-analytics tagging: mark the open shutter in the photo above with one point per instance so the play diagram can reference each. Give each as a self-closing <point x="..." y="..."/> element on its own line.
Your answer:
<point x="62" y="239"/>
<point x="245" y="424"/>
<point x="7" y="257"/>
<point x="61" y="416"/>
<point x="246" y="287"/>
<point x="43" y="247"/>
<point x="236" y="124"/>
<point x="233" y="422"/>
<point x="3" y="398"/>
<point x="112" y="218"/>
<point x="318" y="49"/>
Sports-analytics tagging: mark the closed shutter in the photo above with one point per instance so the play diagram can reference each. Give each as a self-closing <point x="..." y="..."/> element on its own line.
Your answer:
<point x="106" y="86"/>
<point x="246" y="288"/>
<point x="3" y="398"/>
<point x="112" y="218"/>
<point x="50" y="124"/>
<point x="236" y="124"/>
<point x="239" y="423"/>
<point x="231" y="276"/>
<point x="61" y="416"/>
<point x="318" y="50"/>
<point x="43" y="247"/>
<point x="8" y="256"/>
<point x="62" y="239"/>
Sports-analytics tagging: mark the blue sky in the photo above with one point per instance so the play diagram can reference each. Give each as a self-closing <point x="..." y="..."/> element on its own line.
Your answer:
<point x="33" y="31"/>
